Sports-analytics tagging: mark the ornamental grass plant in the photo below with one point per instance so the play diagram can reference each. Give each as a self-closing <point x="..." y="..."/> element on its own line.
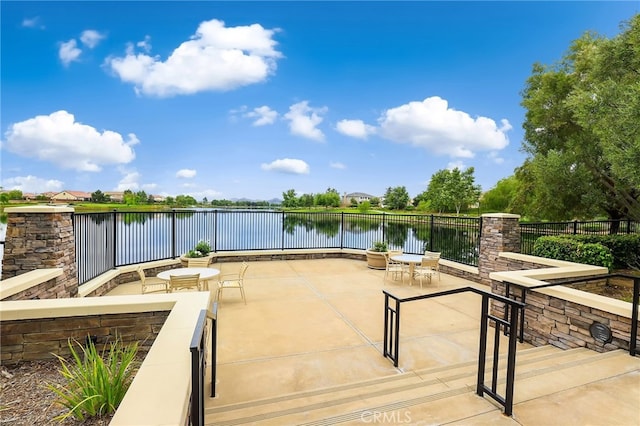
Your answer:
<point x="96" y="381"/>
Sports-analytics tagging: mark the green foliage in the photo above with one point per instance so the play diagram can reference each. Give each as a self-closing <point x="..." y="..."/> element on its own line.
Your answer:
<point x="201" y="249"/>
<point x="96" y="382"/>
<point x="571" y="250"/>
<point x="100" y="197"/>
<point x="289" y="198"/>
<point x="396" y="198"/>
<point x="379" y="246"/>
<point x="625" y="248"/>
<point x="500" y="197"/>
<point x="450" y="190"/>
<point x="364" y="206"/>
<point x="581" y="129"/>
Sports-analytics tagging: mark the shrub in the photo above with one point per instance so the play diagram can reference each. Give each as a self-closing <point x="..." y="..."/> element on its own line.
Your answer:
<point x="624" y="247"/>
<point x="201" y="249"/>
<point x="95" y="384"/>
<point x="379" y="246"/>
<point x="569" y="249"/>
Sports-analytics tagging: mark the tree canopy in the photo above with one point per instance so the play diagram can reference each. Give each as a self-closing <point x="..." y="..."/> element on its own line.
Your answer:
<point x="396" y="198"/>
<point x="450" y="190"/>
<point x="582" y="130"/>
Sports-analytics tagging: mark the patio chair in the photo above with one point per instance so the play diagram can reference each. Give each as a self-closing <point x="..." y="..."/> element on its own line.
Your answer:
<point x="428" y="267"/>
<point x="181" y="282"/>
<point x="151" y="284"/>
<point x="198" y="262"/>
<point x="436" y="255"/>
<point x="392" y="267"/>
<point x="235" y="280"/>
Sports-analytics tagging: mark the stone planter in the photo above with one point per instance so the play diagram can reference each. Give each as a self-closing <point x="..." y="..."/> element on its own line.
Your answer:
<point x="184" y="261"/>
<point x="376" y="260"/>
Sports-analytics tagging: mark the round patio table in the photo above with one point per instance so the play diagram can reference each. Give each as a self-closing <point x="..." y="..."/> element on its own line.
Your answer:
<point x="205" y="273"/>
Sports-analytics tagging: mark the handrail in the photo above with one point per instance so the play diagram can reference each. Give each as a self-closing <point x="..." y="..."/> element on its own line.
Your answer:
<point x="635" y="303"/>
<point x="391" y="344"/>
<point x="198" y="368"/>
<point x="213" y="316"/>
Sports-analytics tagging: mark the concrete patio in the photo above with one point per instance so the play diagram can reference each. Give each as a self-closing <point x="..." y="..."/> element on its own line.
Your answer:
<point x="307" y="349"/>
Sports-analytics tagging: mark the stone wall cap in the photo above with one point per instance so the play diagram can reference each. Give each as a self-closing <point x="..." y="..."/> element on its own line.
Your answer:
<point x="502" y="215"/>
<point x="40" y="208"/>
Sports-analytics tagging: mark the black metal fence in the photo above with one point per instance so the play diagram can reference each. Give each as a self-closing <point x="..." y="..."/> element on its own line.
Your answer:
<point x="112" y="239"/>
<point x="530" y="232"/>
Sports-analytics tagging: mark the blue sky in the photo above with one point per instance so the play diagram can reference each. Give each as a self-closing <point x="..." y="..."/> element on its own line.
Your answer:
<point x="250" y="99"/>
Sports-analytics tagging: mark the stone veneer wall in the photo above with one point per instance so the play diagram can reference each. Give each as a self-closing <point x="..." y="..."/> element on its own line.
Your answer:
<point x="565" y="324"/>
<point x="37" y="339"/>
<point x="45" y="290"/>
<point x="500" y="233"/>
<point x="41" y="237"/>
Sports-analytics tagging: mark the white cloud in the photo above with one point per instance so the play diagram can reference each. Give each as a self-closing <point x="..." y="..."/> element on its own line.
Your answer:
<point x="216" y="58"/>
<point x="147" y="187"/>
<point x="69" y="52"/>
<point x="145" y="44"/>
<point x="91" y="38"/>
<point x="355" y="128"/>
<point x="129" y="181"/>
<point x="186" y="173"/>
<point x="59" y="139"/>
<point x="32" y="184"/>
<point x="263" y="115"/>
<point x="493" y="156"/>
<point x="287" y="165"/>
<point x="210" y="194"/>
<point x="431" y="124"/>
<point x="456" y="165"/>
<point x="337" y="165"/>
<point x="32" y="23"/>
<point x="303" y="120"/>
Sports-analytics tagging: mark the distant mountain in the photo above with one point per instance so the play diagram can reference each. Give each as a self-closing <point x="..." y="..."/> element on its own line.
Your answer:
<point x="271" y="201"/>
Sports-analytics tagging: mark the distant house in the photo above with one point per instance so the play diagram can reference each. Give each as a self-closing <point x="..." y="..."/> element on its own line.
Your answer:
<point x="358" y="196"/>
<point x="158" y="198"/>
<point x="116" y="196"/>
<point x="47" y="195"/>
<point x="71" y="196"/>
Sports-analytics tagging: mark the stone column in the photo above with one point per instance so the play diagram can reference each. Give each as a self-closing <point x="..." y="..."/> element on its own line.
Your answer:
<point x="40" y="237"/>
<point x="500" y="233"/>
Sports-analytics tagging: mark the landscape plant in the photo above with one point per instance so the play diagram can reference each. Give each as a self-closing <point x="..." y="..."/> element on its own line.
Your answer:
<point x="96" y="381"/>
<point x="201" y="249"/>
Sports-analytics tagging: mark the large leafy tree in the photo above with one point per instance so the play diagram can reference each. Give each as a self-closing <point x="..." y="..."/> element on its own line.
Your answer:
<point x="582" y="129"/>
<point x="451" y="190"/>
<point x="500" y="198"/>
<point x="289" y="198"/>
<point x="396" y="198"/>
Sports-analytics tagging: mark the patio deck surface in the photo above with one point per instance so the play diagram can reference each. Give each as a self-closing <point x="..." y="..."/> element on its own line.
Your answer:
<point x="310" y="325"/>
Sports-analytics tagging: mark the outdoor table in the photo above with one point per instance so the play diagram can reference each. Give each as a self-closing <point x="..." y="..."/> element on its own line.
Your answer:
<point x="205" y="273"/>
<point x="412" y="260"/>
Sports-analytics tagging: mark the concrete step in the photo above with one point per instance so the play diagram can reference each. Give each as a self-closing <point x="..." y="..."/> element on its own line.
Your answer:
<point x="537" y="373"/>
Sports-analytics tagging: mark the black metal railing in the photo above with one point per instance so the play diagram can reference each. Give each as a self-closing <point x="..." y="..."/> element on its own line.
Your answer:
<point x="635" y="302"/>
<point x="391" y="343"/>
<point x="530" y="232"/>
<point x="198" y="349"/>
<point x="108" y="240"/>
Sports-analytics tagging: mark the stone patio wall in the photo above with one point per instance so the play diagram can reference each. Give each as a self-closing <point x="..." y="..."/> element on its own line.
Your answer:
<point x="38" y="339"/>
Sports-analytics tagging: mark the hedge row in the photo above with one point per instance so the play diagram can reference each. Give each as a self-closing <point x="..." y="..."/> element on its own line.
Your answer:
<point x="569" y="249"/>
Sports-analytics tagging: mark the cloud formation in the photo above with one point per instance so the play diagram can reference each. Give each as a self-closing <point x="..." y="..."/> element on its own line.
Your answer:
<point x="337" y="165"/>
<point x="216" y="58"/>
<point x="303" y="120"/>
<point x="91" y="38"/>
<point x="431" y="124"/>
<point x="186" y="173"/>
<point x="69" y="52"/>
<point x="59" y="139"/>
<point x="355" y="128"/>
<point x="32" y="184"/>
<point x="32" y="23"/>
<point x="263" y="115"/>
<point x="287" y="165"/>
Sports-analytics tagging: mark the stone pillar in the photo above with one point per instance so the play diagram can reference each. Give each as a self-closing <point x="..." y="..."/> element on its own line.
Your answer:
<point x="40" y="237"/>
<point x="500" y="233"/>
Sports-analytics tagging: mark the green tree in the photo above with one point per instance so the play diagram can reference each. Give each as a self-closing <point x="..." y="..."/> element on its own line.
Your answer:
<point x="364" y="206"/>
<point x="332" y="198"/>
<point x="169" y="200"/>
<point x="15" y="194"/>
<point x="306" y="200"/>
<point x="451" y="190"/>
<point x="500" y="198"/>
<point x="98" y="197"/>
<point x="141" y="197"/>
<point x="185" y="201"/>
<point x="375" y="202"/>
<point x="396" y="198"/>
<point x="4" y="198"/>
<point x="129" y="198"/>
<point x="289" y="198"/>
<point x="583" y="117"/>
